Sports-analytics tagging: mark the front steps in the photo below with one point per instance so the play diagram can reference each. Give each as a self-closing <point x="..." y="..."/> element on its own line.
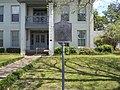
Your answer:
<point x="37" y="52"/>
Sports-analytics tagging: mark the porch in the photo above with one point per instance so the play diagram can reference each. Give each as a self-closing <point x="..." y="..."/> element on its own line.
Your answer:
<point x="37" y="27"/>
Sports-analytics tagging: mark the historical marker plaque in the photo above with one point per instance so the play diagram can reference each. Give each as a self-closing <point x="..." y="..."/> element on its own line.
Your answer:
<point x="63" y="34"/>
<point x="63" y="31"/>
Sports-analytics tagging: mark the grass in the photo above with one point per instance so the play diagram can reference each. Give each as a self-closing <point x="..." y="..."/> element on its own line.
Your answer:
<point x="8" y="58"/>
<point x="81" y="73"/>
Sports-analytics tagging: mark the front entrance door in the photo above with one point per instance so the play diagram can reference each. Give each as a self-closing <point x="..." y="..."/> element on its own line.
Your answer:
<point x="40" y="41"/>
<point x="37" y="40"/>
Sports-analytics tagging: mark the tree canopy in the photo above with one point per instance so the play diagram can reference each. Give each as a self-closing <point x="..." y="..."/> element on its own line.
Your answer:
<point x="110" y="24"/>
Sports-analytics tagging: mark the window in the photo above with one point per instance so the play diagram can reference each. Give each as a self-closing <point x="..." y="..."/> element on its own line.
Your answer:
<point x="1" y="38"/>
<point x="15" y="13"/>
<point x="65" y="12"/>
<point x="15" y="38"/>
<point x="1" y="13"/>
<point x="81" y="38"/>
<point x="82" y="14"/>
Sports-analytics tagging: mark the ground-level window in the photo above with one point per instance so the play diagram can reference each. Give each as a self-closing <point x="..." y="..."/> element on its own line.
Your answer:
<point x="81" y="37"/>
<point x="15" y="38"/>
<point x="1" y="38"/>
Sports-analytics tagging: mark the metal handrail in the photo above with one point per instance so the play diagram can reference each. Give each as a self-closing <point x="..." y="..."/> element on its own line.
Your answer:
<point x="36" y="19"/>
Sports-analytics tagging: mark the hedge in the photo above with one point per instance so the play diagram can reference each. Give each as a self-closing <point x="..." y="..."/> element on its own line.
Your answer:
<point x="87" y="51"/>
<point x="68" y="50"/>
<point x="13" y="50"/>
<point x="105" y="48"/>
<point x="74" y="50"/>
<point x="10" y="79"/>
<point x="2" y="50"/>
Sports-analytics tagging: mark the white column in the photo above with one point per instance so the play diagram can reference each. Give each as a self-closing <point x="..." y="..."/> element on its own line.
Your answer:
<point x="51" y="29"/>
<point x="91" y="26"/>
<point x="23" y="31"/>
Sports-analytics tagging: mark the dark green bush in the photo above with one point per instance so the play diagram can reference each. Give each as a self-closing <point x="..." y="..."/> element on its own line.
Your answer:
<point x="58" y="50"/>
<point x="73" y="50"/>
<point x="13" y="50"/>
<point x="67" y="50"/>
<point x="116" y="52"/>
<point x="87" y="51"/>
<point x="105" y="48"/>
<point x="99" y="41"/>
<point x="2" y="50"/>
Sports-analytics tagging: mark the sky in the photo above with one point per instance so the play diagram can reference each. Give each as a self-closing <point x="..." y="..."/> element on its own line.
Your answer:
<point x="101" y="5"/>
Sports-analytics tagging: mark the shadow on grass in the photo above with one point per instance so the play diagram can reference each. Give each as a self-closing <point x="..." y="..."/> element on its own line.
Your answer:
<point x="107" y="74"/>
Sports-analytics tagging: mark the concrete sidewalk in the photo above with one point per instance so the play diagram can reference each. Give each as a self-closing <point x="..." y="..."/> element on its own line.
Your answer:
<point x="8" y="69"/>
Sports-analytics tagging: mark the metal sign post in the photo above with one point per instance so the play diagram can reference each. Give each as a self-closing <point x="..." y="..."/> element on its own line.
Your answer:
<point x="63" y="34"/>
<point x="63" y="69"/>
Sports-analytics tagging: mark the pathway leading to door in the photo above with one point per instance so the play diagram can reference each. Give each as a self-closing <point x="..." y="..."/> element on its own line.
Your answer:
<point x="6" y="70"/>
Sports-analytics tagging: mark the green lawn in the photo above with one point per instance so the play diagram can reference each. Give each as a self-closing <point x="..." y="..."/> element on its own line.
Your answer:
<point x="81" y="73"/>
<point x="8" y="58"/>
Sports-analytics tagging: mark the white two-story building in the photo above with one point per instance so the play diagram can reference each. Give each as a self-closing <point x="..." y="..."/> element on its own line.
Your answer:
<point x="29" y="24"/>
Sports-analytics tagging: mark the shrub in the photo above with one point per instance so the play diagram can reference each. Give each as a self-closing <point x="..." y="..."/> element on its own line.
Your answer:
<point x="73" y="50"/>
<point x="99" y="41"/>
<point x="67" y="50"/>
<point x="13" y="50"/>
<point x="116" y="52"/>
<point x="87" y="51"/>
<point x="105" y="48"/>
<point x="2" y="50"/>
<point x="58" y="50"/>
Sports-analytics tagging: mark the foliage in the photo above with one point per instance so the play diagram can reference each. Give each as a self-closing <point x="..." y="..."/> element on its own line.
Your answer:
<point x="111" y="35"/>
<point x="10" y="79"/>
<point x="67" y="50"/>
<point x="111" y="22"/>
<point x="87" y="51"/>
<point x="105" y="48"/>
<point x="73" y="50"/>
<point x="58" y="50"/>
<point x="65" y="2"/>
<point x="116" y="52"/>
<point x="112" y="13"/>
<point x="13" y="50"/>
<point x="99" y="21"/>
<point x="99" y="41"/>
<point x="2" y="50"/>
